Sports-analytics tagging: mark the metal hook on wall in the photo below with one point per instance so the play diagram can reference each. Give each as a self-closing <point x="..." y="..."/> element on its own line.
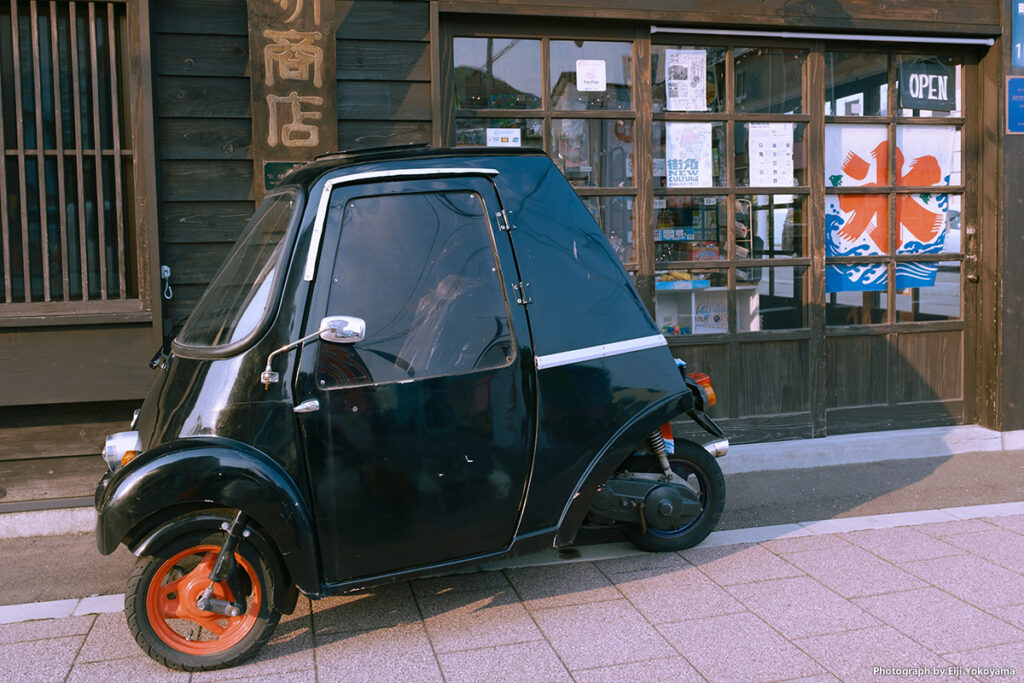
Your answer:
<point x="165" y="275"/>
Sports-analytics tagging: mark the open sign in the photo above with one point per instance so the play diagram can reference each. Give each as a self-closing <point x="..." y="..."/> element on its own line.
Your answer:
<point x="927" y="85"/>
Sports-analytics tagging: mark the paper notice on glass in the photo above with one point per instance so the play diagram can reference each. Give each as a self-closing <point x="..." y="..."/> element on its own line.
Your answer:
<point x="590" y="75"/>
<point x="685" y="80"/>
<point x="770" y="146"/>
<point x="504" y="137"/>
<point x="688" y="154"/>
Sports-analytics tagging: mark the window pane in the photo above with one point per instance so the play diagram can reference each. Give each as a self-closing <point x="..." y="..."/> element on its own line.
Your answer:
<point x="588" y="75"/>
<point x="691" y="301"/>
<point x="500" y="132"/>
<point x="594" y="152"/>
<point x="437" y="306"/>
<point x="928" y="223"/>
<point x="771" y="226"/>
<point x="63" y="227"/>
<point x="852" y="152"/>
<point x="856" y="225"/>
<point x="856" y="84"/>
<point x="615" y="216"/>
<point x="698" y="147"/>
<point x="770" y="154"/>
<point x="934" y="86"/>
<point x="928" y="291"/>
<point x="497" y="73"/>
<point x="689" y="228"/>
<point x="856" y="306"/>
<point x="243" y="291"/>
<point x="769" y="80"/>
<point x="680" y="84"/>
<point x="771" y="298"/>
<point x="930" y="155"/>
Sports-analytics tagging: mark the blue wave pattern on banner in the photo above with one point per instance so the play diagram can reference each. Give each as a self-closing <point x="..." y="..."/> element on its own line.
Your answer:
<point x="850" y="278"/>
<point x="874" y="277"/>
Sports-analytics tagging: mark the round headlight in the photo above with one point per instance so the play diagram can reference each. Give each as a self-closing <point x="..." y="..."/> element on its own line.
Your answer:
<point x="121" y="448"/>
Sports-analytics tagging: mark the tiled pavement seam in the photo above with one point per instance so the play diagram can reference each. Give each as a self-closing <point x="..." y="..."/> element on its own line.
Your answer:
<point x="776" y="610"/>
<point x="100" y="604"/>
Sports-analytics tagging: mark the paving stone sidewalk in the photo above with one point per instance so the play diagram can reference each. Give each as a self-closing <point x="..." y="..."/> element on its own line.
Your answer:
<point x="942" y="601"/>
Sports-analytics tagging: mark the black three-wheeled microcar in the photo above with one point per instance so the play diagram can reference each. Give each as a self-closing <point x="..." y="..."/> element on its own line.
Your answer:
<point x="413" y="359"/>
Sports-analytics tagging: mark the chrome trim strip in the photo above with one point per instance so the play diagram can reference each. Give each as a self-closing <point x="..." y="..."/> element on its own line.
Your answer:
<point x="394" y="174"/>
<point x="553" y="360"/>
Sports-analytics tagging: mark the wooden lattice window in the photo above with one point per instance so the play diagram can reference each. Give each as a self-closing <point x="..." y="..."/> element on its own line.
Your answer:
<point x="66" y="159"/>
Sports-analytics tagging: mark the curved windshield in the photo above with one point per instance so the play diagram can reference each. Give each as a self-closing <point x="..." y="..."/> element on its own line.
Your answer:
<point x="242" y="292"/>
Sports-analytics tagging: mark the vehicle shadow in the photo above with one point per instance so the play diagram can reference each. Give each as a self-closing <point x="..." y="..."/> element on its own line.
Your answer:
<point x="410" y="625"/>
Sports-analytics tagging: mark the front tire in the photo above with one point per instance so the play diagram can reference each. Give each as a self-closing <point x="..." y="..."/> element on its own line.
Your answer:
<point x="160" y="605"/>
<point x="701" y="471"/>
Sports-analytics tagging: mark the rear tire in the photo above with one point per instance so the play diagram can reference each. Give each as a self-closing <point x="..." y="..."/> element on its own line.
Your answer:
<point x="160" y="605"/>
<point x="703" y="473"/>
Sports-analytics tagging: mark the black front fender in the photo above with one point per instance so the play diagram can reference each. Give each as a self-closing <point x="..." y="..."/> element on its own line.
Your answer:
<point x="205" y="473"/>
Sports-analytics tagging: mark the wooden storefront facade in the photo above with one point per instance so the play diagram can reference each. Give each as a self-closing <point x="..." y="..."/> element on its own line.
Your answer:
<point x="142" y="134"/>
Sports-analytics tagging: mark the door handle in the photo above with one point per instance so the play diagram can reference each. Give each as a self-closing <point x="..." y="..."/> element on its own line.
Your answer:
<point x="310" y="406"/>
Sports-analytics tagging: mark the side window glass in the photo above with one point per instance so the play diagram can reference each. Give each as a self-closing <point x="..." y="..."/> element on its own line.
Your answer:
<point x="420" y="269"/>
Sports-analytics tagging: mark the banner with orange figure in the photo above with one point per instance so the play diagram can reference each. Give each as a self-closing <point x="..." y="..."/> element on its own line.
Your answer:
<point x="858" y="224"/>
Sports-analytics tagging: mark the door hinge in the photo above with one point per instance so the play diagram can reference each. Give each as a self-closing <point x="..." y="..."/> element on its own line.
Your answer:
<point x="522" y="296"/>
<point x="971" y="266"/>
<point x="504" y="221"/>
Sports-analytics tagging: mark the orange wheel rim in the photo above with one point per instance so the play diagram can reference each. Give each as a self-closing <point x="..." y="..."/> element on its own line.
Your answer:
<point x="174" y="616"/>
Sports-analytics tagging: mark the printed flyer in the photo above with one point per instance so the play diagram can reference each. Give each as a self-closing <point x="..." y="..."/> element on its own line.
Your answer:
<point x="685" y="74"/>
<point x="688" y="160"/>
<point x="504" y="137"/>
<point x="591" y="75"/>
<point x="770" y="146"/>
<point x="858" y="225"/>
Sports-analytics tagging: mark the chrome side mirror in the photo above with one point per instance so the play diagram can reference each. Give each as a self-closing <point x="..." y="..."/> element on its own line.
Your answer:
<point x="342" y="329"/>
<point x="338" y="329"/>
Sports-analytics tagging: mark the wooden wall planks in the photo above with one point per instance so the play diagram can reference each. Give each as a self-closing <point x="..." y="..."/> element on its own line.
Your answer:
<point x="209" y="139"/>
<point x="384" y="77"/>
<point x="61" y="430"/>
<point x="383" y="20"/>
<point x="109" y="361"/>
<point x="204" y="131"/>
<point x="848" y="380"/>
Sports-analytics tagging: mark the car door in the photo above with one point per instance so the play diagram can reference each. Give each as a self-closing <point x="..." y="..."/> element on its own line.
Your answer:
<point x="421" y="447"/>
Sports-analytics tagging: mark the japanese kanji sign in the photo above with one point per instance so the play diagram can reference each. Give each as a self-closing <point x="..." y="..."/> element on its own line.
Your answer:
<point x="293" y="82"/>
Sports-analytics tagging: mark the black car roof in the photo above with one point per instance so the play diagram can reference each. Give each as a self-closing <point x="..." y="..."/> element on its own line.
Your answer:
<point x="309" y="173"/>
<point x="579" y="294"/>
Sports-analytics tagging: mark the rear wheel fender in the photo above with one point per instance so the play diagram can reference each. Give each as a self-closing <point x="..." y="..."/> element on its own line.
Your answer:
<point x="611" y="457"/>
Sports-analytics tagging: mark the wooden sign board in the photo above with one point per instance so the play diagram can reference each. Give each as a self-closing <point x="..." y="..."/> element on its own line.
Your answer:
<point x="292" y="67"/>
<point x="927" y="85"/>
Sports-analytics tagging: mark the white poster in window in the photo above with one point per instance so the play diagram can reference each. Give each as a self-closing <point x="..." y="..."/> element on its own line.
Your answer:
<point x="770" y="146"/>
<point x="685" y="80"/>
<point x="504" y="137"/>
<point x="711" y="313"/>
<point x="591" y="75"/>
<point x="688" y="154"/>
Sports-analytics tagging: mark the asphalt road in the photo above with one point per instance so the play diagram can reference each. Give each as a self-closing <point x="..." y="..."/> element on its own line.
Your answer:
<point x="58" y="567"/>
